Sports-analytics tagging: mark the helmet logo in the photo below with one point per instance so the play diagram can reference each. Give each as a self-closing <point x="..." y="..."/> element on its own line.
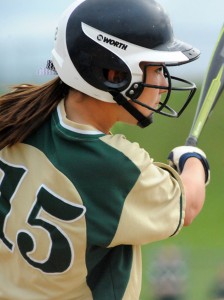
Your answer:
<point x="112" y="42"/>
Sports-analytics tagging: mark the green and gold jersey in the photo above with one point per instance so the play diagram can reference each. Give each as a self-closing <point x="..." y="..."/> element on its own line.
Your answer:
<point x="75" y="207"/>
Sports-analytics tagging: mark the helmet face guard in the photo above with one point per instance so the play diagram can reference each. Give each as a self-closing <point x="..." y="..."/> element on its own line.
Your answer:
<point x="164" y="109"/>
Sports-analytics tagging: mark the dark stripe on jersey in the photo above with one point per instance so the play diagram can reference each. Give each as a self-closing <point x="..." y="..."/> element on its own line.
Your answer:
<point x="99" y="173"/>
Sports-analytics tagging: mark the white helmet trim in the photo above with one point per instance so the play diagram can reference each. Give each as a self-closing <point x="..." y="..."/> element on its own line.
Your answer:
<point x="132" y="52"/>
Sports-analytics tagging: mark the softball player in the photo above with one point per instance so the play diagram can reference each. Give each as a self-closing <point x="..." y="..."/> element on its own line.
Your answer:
<point x="77" y="202"/>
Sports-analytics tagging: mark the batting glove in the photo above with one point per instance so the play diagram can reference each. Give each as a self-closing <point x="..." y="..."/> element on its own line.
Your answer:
<point x="179" y="155"/>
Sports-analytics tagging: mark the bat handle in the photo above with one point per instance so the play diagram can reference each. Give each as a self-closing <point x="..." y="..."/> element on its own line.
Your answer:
<point x="191" y="141"/>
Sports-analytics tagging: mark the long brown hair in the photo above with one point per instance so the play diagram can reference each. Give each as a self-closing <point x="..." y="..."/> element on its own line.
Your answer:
<point x="26" y="107"/>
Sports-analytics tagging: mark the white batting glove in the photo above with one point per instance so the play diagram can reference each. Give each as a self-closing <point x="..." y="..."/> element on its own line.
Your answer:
<point x="179" y="155"/>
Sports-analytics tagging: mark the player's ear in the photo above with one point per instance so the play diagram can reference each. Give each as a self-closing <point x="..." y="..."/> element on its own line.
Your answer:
<point x="115" y="76"/>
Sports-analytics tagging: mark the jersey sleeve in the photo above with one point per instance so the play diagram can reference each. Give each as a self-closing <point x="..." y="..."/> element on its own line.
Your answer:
<point x="154" y="208"/>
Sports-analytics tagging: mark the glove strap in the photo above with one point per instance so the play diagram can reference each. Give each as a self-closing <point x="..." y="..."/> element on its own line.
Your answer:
<point x="203" y="160"/>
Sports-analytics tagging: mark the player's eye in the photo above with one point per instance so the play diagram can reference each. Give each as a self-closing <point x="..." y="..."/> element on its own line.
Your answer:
<point x="159" y="70"/>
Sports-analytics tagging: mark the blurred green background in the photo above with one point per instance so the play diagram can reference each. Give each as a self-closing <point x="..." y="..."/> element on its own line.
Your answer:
<point x="201" y="243"/>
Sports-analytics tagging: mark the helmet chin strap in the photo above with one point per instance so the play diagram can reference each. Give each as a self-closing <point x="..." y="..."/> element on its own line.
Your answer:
<point x="121" y="100"/>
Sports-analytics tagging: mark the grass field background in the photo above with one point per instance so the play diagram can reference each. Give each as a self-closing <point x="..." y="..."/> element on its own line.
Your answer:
<point x="202" y="243"/>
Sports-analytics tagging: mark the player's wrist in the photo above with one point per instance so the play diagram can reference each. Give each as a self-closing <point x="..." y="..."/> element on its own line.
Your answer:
<point x="185" y="157"/>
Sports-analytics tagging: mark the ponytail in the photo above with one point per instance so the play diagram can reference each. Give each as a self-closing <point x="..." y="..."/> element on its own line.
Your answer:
<point x="24" y="109"/>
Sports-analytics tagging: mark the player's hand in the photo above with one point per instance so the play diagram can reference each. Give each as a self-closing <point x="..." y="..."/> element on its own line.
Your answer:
<point x="179" y="155"/>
